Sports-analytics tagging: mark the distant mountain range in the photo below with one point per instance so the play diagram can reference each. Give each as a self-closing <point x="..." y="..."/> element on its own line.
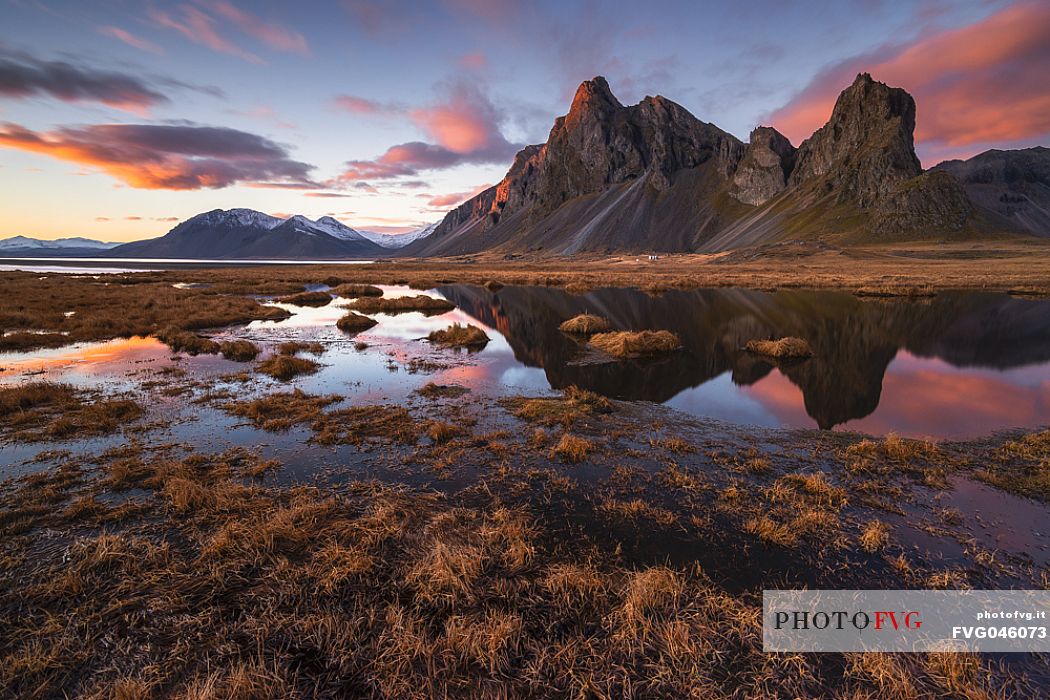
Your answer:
<point x="652" y="177"/>
<point x="76" y="246"/>
<point x="234" y="234"/>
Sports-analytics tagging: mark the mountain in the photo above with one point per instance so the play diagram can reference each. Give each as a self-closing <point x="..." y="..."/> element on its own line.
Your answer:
<point x="75" y="246"/>
<point x="652" y="177"/>
<point x="399" y="240"/>
<point x="248" y="234"/>
<point x="1015" y="185"/>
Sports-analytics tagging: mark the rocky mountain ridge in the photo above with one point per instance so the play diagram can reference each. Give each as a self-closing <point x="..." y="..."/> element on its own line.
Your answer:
<point x="652" y="177"/>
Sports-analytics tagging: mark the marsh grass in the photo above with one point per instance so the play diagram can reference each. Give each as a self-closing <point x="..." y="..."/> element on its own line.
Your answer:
<point x="358" y="425"/>
<point x="214" y="588"/>
<point x="629" y="344"/>
<point x="574" y="404"/>
<point x="287" y="367"/>
<point x="572" y="448"/>
<point x="187" y="342"/>
<point x="315" y="299"/>
<point x="458" y="336"/>
<point x="421" y="302"/>
<point x="355" y="323"/>
<point x="294" y="347"/>
<point x="281" y="411"/>
<point x="430" y="390"/>
<point x="239" y="350"/>
<point x="784" y="348"/>
<point x="38" y="411"/>
<point x="1021" y="466"/>
<point x="584" y="324"/>
<point x="354" y="291"/>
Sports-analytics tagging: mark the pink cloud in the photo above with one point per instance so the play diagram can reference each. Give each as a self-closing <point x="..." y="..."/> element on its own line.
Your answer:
<point x="976" y="86"/>
<point x="360" y="105"/>
<point x="465" y="121"/>
<point x="274" y="35"/>
<point x="130" y="39"/>
<point x="200" y="29"/>
<point x="453" y="198"/>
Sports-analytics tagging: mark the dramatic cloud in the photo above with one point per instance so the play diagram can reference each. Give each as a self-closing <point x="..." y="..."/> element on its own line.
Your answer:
<point x="272" y="34"/>
<point x="325" y="194"/>
<point x="182" y="157"/>
<point x="984" y="84"/>
<point x="465" y="126"/>
<point x="465" y="122"/>
<point x="200" y="29"/>
<point x="130" y="39"/>
<point x="22" y="75"/>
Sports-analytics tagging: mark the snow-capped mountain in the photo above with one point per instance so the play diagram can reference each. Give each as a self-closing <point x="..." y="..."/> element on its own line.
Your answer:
<point x="399" y="240"/>
<point x="25" y="243"/>
<point x="235" y="233"/>
<point x="246" y="233"/>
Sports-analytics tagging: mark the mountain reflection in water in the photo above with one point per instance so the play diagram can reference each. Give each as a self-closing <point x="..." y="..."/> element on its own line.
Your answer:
<point x="978" y="361"/>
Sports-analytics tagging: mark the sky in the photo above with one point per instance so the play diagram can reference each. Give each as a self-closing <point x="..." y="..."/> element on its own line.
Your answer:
<point x="120" y="118"/>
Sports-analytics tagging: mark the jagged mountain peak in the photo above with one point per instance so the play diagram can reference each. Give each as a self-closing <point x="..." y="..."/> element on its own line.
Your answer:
<point x="592" y="96"/>
<point x="866" y="149"/>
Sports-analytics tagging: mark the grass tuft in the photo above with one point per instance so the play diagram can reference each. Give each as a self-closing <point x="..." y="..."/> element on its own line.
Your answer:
<point x="584" y="324"/>
<point x="239" y="350"/>
<point x="625" y="344"/>
<point x="355" y="323"/>
<point x="286" y="367"/>
<point x="457" y="336"/>
<point x="784" y="348"/>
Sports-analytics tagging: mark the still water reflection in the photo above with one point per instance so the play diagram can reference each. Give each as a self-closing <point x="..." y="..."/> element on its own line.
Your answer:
<point x="956" y="365"/>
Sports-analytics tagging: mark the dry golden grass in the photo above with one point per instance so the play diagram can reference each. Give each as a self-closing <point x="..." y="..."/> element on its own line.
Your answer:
<point x="355" y="291"/>
<point x="214" y="589"/>
<point x="189" y="343"/>
<point x="876" y="536"/>
<point x="625" y="344"/>
<point x="573" y="404"/>
<point x="44" y="411"/>
<point x="430" y="390"/>
<point x="286" y="367"/>
<point x="1021" y="466"/>
<point x="281" y="411"/>
<point x="148" y="305"/>
<point x="307" y="299"/>
<point x="239" y="350"/>
<point x="359" y="424"/>
<point x="355" y="323"/>
<point x="584" y="324"/>
<point x="571" y="448"/>
<point x="784" y="348"/>
<point x="440" y="431"/>
<point x="421" y="302"/>
<point x="294" y="347"/>
<point x="457" y="336"/>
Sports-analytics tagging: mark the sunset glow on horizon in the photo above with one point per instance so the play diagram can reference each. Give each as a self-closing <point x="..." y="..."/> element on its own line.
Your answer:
<point x="119" y="120"/>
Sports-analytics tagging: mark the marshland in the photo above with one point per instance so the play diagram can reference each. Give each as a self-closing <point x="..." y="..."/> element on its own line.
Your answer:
<point x="217" y="483"/>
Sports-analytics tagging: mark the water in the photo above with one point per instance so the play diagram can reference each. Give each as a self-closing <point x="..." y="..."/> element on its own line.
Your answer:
<point x="958" y="365"/>
<point x="103" y="266"/>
